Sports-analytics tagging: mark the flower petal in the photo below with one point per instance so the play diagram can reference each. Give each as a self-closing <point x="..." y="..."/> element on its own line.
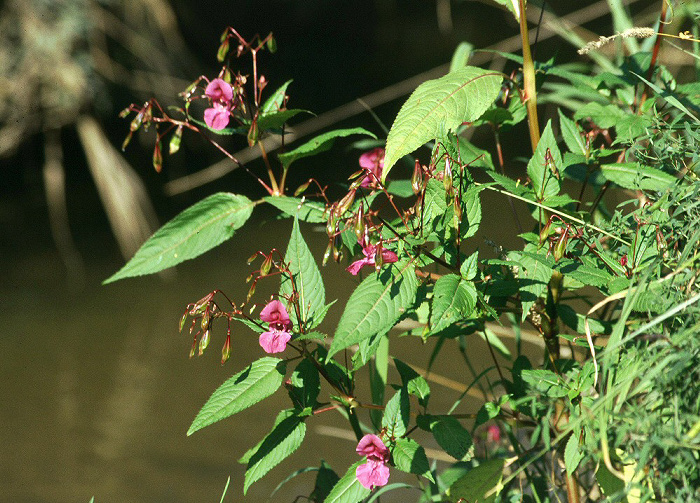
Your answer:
<point x="372" y="474"/>
<point x="372" y="447"/>
<point x="219" y="90"/>
<point x="217" y="117"/>
<point x="275" y="312"/>
<point x="355" y="267"/>
<point x="274" y="341"/>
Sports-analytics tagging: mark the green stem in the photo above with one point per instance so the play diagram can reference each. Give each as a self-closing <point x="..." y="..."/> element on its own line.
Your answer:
<point x="529" y="80"/>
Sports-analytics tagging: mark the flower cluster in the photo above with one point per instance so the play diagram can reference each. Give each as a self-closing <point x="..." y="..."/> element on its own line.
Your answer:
<point x="220" y="93"/>
<point x="373" y="164"/>
<point x="278" y="335"/>
<point x="374" y="472"/>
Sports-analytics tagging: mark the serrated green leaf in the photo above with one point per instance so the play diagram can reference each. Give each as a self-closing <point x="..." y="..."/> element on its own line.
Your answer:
<point x="409" y="456"/>
<point x="453" y="299"/>
<point x="439" y="106"/>
<point x="305" y="385"/>
<point x="307" y="211"/>
<point x="348" y="489"/>
<point x="452" y="436"/>
<point x="397" y="414"/>
<point x="533" y="276"/>
<point x="471" y="218"/>
<point x="543" y="164"/>
<point x="376" y="305"/>
<point x="320" y="144"/>
<point x="572" y="454"/>
<point x="587" y="274"/>
<point x="604" y="116"/>
<point x="276" y="99"/>
<point x="414" y="383"/>
<point x="634" y="176"/>
<point x="544" y="381"/>
<point x="571" y="134"/>
<point x="308" y="282"/>
<point x="469" y="267"/>
<point x="325" y="480"/>
<point x="193" y="232"/>
<point x="400" y="188"/>
<point x="259" y="380"/>
<point x="275" y="120"/>
<point x="279" y="444"/>
<point x="478" y="482"/>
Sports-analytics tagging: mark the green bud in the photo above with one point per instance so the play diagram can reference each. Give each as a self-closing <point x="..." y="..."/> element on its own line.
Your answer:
<point x="266" y="266"/>
<point x="183" y="320"/>
<point x="204" y="342"/>
<point x="158" y="157"/>
<point x="302" y="188"/>
<point x="560" y="246"/>
<point x="253" y="133"/>
<point x="327" y="253"/>
<point x="223" y="51"/>
<point x="272" y="44"/>
<point x="417" y="178"/>
<point x="127" y="140"/>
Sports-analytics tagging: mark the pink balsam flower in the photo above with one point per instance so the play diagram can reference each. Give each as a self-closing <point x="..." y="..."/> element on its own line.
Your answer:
<point x="375" y="472"/>
<point x="274" y="341"/>
<point x="373" y="163"/>
<point x="370" y="253"/>
<point x="276" y="338"/>
<point x="220" y="93"/>
<point x="275" y="312"/>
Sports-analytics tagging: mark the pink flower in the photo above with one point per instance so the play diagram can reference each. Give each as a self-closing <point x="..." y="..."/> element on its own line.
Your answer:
<point x="493" y="434"/>
<point x="217" y="117"/>
<point x="274" y="341"/>
<point x="220" y="93"/>
<point x="373" y="163"/>
<point x="374" y="472"/>
<point x="275" y="313"/>
<point x="276" y="338"/>
<point x="219" y="90"/>
<point x="370" y="253"/>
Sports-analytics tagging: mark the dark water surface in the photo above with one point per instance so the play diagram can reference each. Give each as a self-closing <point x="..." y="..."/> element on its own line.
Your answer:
<point x="98" y="392"/>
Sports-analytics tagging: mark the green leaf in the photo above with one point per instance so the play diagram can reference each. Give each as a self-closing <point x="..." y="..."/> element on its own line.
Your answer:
<point x="478" y="482"/>
<point x="572" y="135"/>
<point x="308" y="211"/>
<point x="325" y="480"/>
<point x="469" y="267"/>
<point x="669" y="97"/>
<point x="320" y="144"/>
<point x="497" y="344"/>
<point x="544" y="381"/>
<point x="572" y="454"/>
<point x="533" y="276"/>
<point x="348" y="489"/>
<point x="279" y="444"/>
<point x="401" y="188"/>
<point x="276" y="100"/>
<point x="414" y="383"/>
<point x="305" y="385"/>
<point x="409" y="456"/>
<point x="543" y="164"/>
<point x="275" y="120"/>
<point x="196" y="230"/>
<point x="259" y="380"/>
<point x="634" y="176"/>
<point x="460" y="57"/>
<point x="453" y="299"/>
<point x="307" y="279"/>
<point x="376" y="305"/>
<point x="439" y="106"/>
<point x="604" y="116"/>
<point x="397" y="414"/>
<point x="452" y="436"/>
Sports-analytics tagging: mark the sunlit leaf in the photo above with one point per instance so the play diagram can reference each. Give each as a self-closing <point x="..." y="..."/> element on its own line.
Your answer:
<point x="259" y="380"/>
<point x="439" y="106"/>
<point x="478" y="482"/>
<point x="453" y="299"/>
<point x="320" y="144"/>
<point x="348" y="489"/>
<point x="193" y="232"/>
<point x="409" y="456"/>
<point x="305" y="210"/>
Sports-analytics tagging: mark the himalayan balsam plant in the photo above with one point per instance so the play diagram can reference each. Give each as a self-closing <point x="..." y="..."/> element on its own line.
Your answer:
<point x="610" y="412"/>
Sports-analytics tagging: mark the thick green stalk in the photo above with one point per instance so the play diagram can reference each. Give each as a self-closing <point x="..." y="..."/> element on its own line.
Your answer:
<point x="529" y="80"/>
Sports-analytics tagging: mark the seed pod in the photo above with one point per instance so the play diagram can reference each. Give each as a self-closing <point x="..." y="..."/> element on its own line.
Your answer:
<point x="253" y="133"/>
<point x="223" y="51"/>
<point x="345" y="203"/>
<point x="252" y="258"/>
<point x="417" y="178"/>
<point x="302" y="188"/>
<point x="272" y="44"/>
<point x="226" y="350"/>
<point x="175" y="140"/>
<point x="205" y="320"/>
<point x="378" y="258"/>
<point x="251" y="291"/>
<point x="327" y="253"/>
<point x="457" y="219"/>
<point x="544" y="233"/>
<point x="266" y="266"/>
<point x="193" y="350"/>
<point x="331" y="223"/>
<point x="127" y="140"/>
<point x="560" y="246"/>
<point x="157" y="157"/>
<point x="204" y="342"/>
<point x="123" y="114"/>
<point x="183" y="320"/>
<point x="360" y="223"/>
<point x="137" y="121"/>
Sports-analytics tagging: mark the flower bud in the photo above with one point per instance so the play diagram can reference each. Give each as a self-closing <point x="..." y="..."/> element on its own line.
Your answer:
<point x="137" y="121"/>
<point x="193" y="350"/>
<point x="544" y="233"/>
<point x="253" y="134"/>
<point x="205" y="320"/>
<point x="327" y="253"/>
<point x="183" y="320"/>
<point x="457" y="218"/>
<point x="127" y="140"/>
<point x="226" y="350"/>
<point x="331" y="223"/>
<point x="123" y="114"/>
<point x="175" y="141"/>
<point x="378" y="258"/>
<point x="252" y="258"/>
<point x="360" y="223"/>
<point x="251" y="291"/>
